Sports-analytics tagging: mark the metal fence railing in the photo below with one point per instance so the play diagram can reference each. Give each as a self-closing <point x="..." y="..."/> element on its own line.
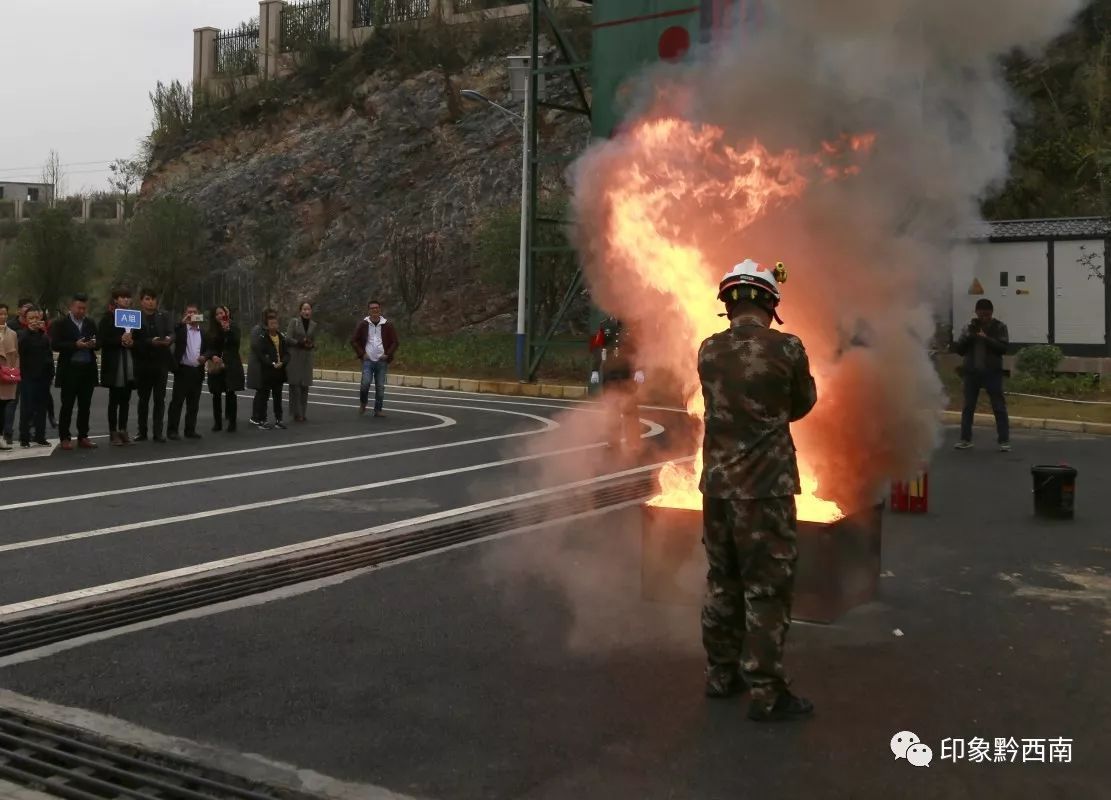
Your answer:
<point x="304" y="23"/>
<point x="237" y="51"/>
<point x="385" y="12"/>
<point x="463" y="6"/>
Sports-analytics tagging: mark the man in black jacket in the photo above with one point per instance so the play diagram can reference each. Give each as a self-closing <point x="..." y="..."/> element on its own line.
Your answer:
<point x="983" y="344"/>
<point x="153" y="362"/>
<point x="73" y="338"/>
<point x="190" y="345"/>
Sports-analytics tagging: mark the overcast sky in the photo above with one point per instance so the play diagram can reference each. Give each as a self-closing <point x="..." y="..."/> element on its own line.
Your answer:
<point x="75" y="76"/>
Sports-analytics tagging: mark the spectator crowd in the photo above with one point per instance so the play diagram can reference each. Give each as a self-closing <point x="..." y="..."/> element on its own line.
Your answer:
<point x="75" y="354"/>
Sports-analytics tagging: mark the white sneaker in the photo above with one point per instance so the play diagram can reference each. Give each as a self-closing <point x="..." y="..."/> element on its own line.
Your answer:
<point x="1005" y="447"/>
<point x="962" y="445"/>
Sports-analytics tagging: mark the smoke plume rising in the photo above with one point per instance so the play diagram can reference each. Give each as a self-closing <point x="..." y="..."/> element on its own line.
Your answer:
<point x="850" y="140"/>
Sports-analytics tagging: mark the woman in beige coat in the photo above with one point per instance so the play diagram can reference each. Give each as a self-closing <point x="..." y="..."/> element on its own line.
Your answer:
<point x="9" y="359"/>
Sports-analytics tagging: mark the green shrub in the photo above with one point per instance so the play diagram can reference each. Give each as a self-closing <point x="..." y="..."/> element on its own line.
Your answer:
<point x="1039" y="361"/>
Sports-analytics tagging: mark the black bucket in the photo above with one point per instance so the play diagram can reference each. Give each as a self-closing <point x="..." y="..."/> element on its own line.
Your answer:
<point x="1054" y="490"/>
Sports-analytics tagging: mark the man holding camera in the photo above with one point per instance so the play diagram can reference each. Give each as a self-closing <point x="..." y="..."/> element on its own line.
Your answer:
<point x="73" y="338"/>
<point x="190" y="345"/>
<point x="983" y="344"/>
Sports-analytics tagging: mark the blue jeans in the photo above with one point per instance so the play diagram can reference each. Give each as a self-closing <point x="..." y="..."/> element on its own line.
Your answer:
<point x="992" y="383"/>
<point x="373" y="371"/>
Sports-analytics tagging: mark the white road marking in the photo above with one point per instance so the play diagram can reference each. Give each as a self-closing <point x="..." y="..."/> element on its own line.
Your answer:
<point x="548" y="425"/>
<point x="478" y="396"/>
<point x="365" y="533"/>
<point x="133" y="526"/>
<point x="444" y="422"/>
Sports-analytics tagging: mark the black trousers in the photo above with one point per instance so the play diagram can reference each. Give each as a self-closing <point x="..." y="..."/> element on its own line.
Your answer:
<point x="188" y="383"/>
<point x="151" y="382"/>
<point x="225" y="406"/>
<point x="77" y="389"/>
<point x="269" y="388"/>
<point x="32" y="411"/>
<point x="119" y="406"/>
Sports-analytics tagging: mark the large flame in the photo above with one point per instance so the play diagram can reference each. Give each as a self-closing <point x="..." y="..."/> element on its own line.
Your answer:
<point x="679" y="185"/>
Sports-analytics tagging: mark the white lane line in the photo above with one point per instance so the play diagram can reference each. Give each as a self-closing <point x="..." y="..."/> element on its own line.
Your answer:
<point x="219" y="512"/>
<point x="444" y="422"/>
<point x="448" y="394"/>
<point x="364" y="533"/>
<point x="548" y="425"/>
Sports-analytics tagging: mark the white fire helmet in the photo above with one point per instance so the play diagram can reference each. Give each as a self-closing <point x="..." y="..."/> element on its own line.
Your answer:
<point x="751" y="281"/>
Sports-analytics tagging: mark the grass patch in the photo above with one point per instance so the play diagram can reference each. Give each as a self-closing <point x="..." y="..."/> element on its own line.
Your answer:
<point x="483" y="356"/>
<point x="1066" y="388"/>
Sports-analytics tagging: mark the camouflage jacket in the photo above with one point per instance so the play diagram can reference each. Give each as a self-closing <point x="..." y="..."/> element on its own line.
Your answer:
<point x="755" y="382"/>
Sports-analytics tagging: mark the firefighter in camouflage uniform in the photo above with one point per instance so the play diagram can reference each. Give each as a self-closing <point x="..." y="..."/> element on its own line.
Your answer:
<point x="755" y="382"/>
<point x="616" y="374"/>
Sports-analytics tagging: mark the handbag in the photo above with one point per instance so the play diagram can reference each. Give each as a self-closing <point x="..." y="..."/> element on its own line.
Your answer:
<point x="10" y="375"/>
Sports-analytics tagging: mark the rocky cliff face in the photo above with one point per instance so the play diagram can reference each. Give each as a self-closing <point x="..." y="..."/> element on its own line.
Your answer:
<point x="330" y="185"/>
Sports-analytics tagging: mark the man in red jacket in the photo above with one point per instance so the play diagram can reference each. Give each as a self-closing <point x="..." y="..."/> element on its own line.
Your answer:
<point x="375" y="342"/>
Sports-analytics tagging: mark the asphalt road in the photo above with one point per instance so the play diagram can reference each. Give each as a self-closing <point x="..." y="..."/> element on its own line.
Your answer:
<point x="81" y="519"/>
<point x="530" y="667"/>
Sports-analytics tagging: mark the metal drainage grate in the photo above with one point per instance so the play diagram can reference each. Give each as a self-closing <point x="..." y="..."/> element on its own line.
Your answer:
<point x="58" y="626"/>
<point x="71" y="764"/>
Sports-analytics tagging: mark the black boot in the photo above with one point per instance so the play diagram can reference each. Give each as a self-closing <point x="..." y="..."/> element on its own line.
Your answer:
<point x="217" y="425"/>
<point x="786" y="707"/>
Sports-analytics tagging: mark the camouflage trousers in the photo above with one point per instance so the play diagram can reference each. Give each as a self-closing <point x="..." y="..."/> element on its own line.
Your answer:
<point x="751" y="551"/>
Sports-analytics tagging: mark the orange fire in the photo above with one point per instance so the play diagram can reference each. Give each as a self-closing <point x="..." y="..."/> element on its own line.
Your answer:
<point x="680" y="181"/>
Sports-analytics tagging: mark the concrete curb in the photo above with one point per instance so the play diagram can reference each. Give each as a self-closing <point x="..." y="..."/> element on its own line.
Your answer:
<point x="556" y="390"/>
<point x="1035" y="423"/>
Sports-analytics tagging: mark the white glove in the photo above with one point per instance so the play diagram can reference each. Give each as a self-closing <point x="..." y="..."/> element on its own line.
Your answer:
<point x="594" y="377"/>
<point x="639" y="376"/>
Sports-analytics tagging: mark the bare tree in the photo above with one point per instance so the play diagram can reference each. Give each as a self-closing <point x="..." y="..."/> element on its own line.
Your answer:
<point x="53" y="175"/>
<point x="413" y="258"/>
<point x="127" y="173"/>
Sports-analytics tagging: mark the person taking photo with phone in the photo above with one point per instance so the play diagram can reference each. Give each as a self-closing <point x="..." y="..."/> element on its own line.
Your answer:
<point x="190" y="346"/>
<point x="983" y="344"/>
<point x="74" y="338"/>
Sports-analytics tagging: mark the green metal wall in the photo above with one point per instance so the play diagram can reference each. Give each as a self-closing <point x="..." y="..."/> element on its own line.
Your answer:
<point x="629" y="34"/>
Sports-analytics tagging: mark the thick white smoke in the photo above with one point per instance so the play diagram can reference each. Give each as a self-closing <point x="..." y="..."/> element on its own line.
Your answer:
<point x="868" y="254"/>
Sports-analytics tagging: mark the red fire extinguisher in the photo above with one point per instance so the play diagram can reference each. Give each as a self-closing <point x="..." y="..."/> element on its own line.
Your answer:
<point x="911" y="495"/>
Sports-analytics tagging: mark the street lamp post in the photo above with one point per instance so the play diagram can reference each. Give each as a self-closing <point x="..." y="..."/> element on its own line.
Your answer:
<point x="520" y="83"/>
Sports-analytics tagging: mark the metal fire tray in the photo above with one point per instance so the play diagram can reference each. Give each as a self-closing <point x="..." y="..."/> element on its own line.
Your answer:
<point x="838" y="566"/>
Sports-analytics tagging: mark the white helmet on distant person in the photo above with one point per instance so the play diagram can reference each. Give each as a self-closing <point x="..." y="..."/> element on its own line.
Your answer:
<point x="755" y="283"/>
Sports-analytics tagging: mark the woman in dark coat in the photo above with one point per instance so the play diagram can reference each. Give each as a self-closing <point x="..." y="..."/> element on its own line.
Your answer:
<point x="117" y="367"/>
<point x="225" y="368"/>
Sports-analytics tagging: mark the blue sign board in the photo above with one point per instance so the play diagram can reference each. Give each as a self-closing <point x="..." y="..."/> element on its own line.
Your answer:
<point x="129" y="319"/>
